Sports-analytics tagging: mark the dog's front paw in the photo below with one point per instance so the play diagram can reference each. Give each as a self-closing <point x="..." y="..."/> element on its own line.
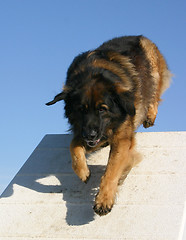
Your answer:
<point x="103" y="204"/>
<point x="101" y="210"/>
<point x="82" y="172"/>
<point x="84" y="175"/>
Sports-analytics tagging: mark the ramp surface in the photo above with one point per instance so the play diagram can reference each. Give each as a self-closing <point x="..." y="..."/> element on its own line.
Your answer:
<point x="46" y="200"/>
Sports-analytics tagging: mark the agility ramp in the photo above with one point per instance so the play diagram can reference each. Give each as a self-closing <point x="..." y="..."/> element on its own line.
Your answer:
<point x="47" y="201"/>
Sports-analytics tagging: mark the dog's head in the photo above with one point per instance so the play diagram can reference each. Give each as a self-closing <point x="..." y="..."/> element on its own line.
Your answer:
<point x="96" y="107"/>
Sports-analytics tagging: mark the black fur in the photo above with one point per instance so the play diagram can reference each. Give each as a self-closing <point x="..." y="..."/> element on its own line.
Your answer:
<point x="85" y="118"/>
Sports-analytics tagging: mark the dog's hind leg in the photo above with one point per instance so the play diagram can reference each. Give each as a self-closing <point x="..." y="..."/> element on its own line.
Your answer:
<point x="163" y="81"/>
<point x="151" y="115"/>
<point x="161" y="78"/>
<point x="79" y="163"/>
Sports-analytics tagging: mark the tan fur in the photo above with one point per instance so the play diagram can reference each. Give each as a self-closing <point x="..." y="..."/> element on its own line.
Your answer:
<point x="79" y="164"/>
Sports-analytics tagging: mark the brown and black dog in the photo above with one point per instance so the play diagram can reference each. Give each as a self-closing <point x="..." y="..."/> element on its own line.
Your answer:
<point x="109" y="92"/>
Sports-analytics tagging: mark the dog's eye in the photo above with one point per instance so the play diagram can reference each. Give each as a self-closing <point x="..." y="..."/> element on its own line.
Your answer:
<point x="102" y="109"/>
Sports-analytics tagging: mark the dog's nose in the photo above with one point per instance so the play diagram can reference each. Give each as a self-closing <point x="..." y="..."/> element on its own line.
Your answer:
<point x="93" y="133"/>
<point x="90" y="134"/>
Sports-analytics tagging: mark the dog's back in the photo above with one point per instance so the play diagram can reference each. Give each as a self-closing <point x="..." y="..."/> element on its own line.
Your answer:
<point x="151" y="69"/>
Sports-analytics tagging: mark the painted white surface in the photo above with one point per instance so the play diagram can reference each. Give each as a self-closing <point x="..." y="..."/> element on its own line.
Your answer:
<point x="46" y="200"/>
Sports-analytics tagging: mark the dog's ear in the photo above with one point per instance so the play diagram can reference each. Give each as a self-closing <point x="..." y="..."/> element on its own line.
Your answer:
<point x="57" y="98"/>
<point x="126" y="102"/>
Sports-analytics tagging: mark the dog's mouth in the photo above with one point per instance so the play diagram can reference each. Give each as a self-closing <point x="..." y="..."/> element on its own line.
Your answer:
<point x="92" y="143"/>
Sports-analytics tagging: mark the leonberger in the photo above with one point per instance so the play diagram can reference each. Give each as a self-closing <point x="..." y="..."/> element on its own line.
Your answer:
<point x="109" y="92"/>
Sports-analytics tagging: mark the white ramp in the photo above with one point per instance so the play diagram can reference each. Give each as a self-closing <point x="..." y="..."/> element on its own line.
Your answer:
<point x="47" y="201"/>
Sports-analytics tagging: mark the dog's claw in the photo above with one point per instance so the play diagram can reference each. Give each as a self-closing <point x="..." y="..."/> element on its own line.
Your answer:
<point x="86" y="181"/>
<point x="100" y="210"/>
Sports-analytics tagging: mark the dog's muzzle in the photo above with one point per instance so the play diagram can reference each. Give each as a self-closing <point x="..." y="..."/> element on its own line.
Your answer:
<point x="92" y="143"/>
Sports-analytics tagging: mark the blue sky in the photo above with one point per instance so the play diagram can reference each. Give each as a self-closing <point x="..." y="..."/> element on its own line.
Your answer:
<point x="40" y="38"/>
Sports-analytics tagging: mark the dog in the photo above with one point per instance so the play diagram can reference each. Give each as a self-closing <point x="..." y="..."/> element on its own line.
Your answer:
<point x="109" y="93"/>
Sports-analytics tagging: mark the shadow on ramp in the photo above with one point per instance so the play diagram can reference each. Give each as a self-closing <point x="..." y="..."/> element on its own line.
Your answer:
<point x="51" y="174"/>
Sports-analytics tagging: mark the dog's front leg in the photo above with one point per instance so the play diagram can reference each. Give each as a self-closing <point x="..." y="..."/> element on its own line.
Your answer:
<point x="120" y="162"/>
<point x="79" y="163"/>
